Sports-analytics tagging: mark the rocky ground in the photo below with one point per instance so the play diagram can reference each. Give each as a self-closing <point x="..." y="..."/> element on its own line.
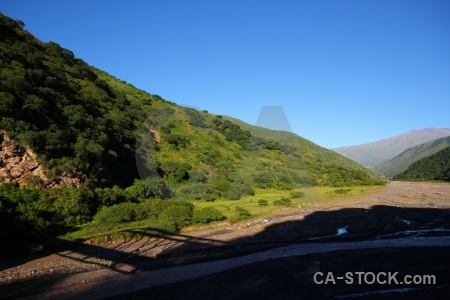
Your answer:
<point x="293" y="277"/>
<point x="401" y="210"/>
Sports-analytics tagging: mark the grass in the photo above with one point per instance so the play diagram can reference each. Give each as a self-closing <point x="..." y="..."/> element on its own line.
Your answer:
<point x="320" y="197"/>
<point x="312" y="195"/>
<point x="316" y="195"/>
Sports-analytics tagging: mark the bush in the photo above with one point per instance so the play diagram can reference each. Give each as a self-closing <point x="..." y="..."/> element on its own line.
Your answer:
<point x="175" y="171"/>
<point x="282" y="202"/>
<point x="138" y="191"/>
<point x="167" y="224"/>
<point x="72" y="206"/>
<point x="180" y="215"/>
<point x="192" y="191"/>
<point x="297" y="194"/>
<point x="149" y="209"/>
<point x="116" y="214"/>
<point x="240" y="189"/>
<point x="235" y="193"/>
<point x="177" y="140"/>
<point x="342" y="191"/>
<point x="263" y="202"/>
<point x="241" y="213"/>
<point x="207" y="215"/>
<point x="200" y="176"/>
<point x="221" y="185"/>
<point x="207" y="198"/>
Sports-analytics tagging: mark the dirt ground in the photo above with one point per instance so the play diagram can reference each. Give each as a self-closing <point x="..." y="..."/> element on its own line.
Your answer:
<point x="402" y="209"/>
<point x="293" y="277"/>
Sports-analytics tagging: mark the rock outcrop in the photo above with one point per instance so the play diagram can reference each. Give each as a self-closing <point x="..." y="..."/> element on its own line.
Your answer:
<point x="20" y="165"/>
<point x="17" y="164"/>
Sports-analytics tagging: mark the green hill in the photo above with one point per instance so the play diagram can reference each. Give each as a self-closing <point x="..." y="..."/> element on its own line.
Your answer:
<point x="433" y="167"/>
<point x="402" y="161"/>
<point x="125" y="145"/>
<point x="325" y="165"/>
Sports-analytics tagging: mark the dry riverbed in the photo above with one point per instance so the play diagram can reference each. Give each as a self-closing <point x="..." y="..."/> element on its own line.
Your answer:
<point x="401" y="210"/>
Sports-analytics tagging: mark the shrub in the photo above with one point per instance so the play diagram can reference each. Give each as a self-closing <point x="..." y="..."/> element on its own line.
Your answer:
<point x="138" y="191"/>
<point x="175" y="171"/>
<point x="192" y="190"/>
<point x="263" y="202"/>
<point x="342" y="191"/>
<point x="177" y="140"/>
<point x="207" y="215"/>
<point x="207" y="198"/>
<point x="241" y="213"/>
<point x="235" y="193"/>
<point x="240" y="189"/>
<point x="167" y="224"/>
<point x="295" y="194"/>
<point x="149" y="209"/>
<point x="116" y="214"/>
<point x="221" y="185"/>
<point x="200" y="176"/>
<point x="73" y="205"/>
<point x="180" y="215"/>
<point x="282" y="202"/>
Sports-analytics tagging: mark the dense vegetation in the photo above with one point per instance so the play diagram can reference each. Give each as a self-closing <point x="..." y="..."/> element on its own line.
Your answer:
<point x="34" y="212"/>
<point x="133" y="148"/>
<point x="433" y="167"/>
<point x="402" y="161"/>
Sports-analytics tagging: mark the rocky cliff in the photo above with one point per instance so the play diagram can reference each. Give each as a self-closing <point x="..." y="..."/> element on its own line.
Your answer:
<point x="20" y="165"/>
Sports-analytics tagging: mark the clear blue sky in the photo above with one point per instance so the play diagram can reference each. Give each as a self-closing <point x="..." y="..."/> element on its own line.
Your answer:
<point x="345" y="72"/>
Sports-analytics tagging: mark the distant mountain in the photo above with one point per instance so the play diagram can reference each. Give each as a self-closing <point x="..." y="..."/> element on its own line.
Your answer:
<point x="374" y="153"/>
<point x="433" y="167"/>
<point x="402" y="161"/>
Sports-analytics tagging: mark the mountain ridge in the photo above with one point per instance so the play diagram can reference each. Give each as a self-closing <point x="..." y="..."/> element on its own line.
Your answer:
<point x="432" y="167"/>
<point x="401" y="162"/>
<point x="373" y="153"/>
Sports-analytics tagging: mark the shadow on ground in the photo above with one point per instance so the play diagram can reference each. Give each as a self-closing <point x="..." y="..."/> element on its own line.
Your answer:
<point x="278" y="278"/>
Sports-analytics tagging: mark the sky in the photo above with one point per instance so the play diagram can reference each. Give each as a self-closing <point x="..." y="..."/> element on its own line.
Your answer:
<point x="344" y="72"/>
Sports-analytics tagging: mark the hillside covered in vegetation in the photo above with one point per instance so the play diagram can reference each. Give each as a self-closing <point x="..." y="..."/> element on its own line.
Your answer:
<point x="433" y="167"/>
<point x="402" y="161"/>
<point x="128" y="147"/>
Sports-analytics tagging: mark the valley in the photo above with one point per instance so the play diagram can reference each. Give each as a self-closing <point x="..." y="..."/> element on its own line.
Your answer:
<point x="107" y="190"/>
<point x="400" y="210"/>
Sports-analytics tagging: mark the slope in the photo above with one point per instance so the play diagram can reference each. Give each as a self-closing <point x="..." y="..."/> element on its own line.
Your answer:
<point x="433" y="167"/>
<point x="374" y="153"/>
<point x="309" y="150"/>
<point x="80" y="119"/>
<point x="127" y="148"/>
<point x="402" y="161"/>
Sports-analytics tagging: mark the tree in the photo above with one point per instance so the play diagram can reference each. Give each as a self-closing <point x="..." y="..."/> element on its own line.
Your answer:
<point x="20" y="23"/>
<point x="7" y="104"/>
